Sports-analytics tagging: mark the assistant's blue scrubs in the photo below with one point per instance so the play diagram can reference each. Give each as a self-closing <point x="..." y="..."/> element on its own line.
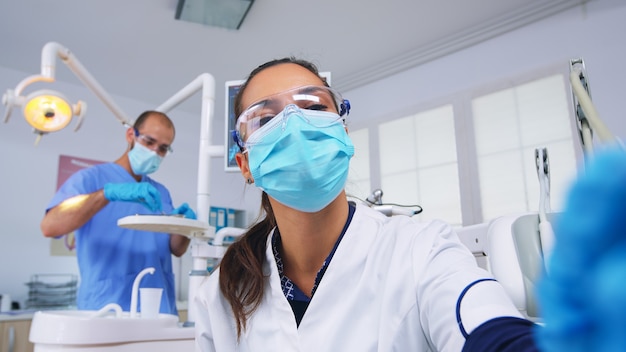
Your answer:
<point x="109" y="256"/>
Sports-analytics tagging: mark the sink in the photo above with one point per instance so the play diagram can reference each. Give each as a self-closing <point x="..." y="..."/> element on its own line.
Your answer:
<point x="85" y="330"/>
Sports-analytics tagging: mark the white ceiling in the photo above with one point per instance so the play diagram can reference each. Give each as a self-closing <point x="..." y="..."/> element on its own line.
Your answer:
<point x="137" y="49"/>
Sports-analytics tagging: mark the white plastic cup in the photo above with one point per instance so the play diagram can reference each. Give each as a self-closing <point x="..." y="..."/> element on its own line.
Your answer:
<point x="150" y="301"/>
<point x="5" y="302"/>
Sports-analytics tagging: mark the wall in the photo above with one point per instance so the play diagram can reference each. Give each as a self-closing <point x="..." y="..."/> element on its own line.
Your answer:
<point x="28" y="173"/>
<point x="593" y="31"/>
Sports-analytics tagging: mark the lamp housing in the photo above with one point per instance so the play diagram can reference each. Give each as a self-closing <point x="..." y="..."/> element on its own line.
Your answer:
<point x="47" y="111"/>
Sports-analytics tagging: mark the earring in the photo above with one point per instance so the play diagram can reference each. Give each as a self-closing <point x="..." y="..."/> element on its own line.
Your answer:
<point x="249" y="181"/>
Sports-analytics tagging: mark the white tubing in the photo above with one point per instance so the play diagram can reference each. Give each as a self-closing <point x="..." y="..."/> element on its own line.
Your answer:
<point x="109" y="307"/>
<point x="546" y="234"/>
<point x="590" y="111"/>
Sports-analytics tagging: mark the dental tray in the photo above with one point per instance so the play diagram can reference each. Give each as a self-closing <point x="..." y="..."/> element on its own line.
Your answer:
<point x="168" y="224"/>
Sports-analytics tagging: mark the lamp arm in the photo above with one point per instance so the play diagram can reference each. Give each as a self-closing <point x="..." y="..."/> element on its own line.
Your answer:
<point x="11" y="97"/>
<point x="206" y="83"/>
<point x="30" y="80"/>
<point x="53" y="49"/>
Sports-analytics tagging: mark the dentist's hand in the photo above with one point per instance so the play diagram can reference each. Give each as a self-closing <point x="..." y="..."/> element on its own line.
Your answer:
<point x="186" y="211"/>
<point x="139" y="192"/>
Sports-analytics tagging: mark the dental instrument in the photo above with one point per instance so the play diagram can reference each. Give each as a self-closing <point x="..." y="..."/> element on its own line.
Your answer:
<point x="376" y="197"/>
<point x="546" y="233"/>
<point x="587" y="118"/>
<point x="375" y="201"/>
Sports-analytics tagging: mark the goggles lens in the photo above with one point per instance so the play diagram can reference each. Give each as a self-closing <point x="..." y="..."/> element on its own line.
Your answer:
<point x="317" y="98"/>
<point x="152" y="144"/>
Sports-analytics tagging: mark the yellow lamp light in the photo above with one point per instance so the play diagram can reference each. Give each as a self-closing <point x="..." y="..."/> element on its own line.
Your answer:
<point x="47" y="111"/>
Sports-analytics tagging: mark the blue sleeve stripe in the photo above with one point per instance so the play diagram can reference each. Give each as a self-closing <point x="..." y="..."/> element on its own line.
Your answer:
<point x="458" y="304"/>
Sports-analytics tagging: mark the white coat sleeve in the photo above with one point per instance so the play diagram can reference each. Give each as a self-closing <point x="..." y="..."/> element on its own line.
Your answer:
<point x="214" y="323"/>
<point x="204" y="333"/>
<point x="454" y="294"/>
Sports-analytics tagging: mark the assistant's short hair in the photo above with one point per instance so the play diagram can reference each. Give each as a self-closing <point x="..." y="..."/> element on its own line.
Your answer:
<point x="146" y="114"/>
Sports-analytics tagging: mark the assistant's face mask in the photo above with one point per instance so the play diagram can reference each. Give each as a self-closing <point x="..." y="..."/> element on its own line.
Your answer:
<point x="143" y="161"/>
<point x="301" y="157"/>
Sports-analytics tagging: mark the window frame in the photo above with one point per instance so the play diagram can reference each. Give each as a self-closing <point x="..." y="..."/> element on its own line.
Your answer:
<point x="467" y="159"/>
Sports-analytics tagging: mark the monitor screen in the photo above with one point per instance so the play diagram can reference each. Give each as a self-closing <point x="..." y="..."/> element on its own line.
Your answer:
<point x="232" y="87"/>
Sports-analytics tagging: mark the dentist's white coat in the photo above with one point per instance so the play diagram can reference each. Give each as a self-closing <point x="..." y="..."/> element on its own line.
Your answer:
<point x="392" y="285"/>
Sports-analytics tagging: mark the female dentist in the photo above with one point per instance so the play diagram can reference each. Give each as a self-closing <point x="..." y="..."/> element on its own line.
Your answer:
<point x="318" y="273"/>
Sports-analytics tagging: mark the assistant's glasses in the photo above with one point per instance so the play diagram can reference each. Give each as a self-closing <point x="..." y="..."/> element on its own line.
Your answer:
<point x="152" y="144"/>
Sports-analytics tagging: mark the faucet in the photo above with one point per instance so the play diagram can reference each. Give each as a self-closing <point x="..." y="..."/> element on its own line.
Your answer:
<point x="133" y="295"/>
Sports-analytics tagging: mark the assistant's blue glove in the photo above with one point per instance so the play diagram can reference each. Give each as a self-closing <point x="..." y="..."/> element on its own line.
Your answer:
<point x="186" y="211"/>
<point x="582" y="299"/>
<point x="139" y="192"/>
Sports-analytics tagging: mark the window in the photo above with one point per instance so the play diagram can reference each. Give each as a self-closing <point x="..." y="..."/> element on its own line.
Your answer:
<point x="509" y="125"/>
<point x="470" y="168"/>
<point x="418" y="163"/>
<point x="358" y="184"/>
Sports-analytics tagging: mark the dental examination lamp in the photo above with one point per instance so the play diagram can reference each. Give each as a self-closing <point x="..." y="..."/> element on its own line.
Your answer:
<point x="47" y="110"/>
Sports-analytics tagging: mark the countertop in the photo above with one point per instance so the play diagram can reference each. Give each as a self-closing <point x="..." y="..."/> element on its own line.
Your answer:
<point x="17" y="315"/>
<point x="27" y="314"/>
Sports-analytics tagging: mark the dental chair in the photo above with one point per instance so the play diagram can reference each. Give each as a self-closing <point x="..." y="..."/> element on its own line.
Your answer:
<point x="510" y="248"/>
<point x="515" y="258"/>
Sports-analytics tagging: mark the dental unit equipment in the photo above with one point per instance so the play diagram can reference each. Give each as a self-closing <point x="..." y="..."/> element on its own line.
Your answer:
<point x="88" y="331"/>
<point x="135" y="289"/>
<point x="133" y="299"/>
<point x="100" y="330"/>
<point x="518" y="246"/>
<point x="206" y="243"/>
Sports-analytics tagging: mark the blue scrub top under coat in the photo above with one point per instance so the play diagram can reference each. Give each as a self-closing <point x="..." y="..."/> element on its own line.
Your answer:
<point x="298" y="300"/>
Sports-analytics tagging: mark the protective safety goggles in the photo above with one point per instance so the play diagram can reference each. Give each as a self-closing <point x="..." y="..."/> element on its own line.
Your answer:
<point x="316" y="98"/>
<point x="152" y="144"/>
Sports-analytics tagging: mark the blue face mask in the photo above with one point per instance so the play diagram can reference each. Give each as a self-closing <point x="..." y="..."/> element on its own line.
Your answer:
<point x="143" y="161"/>
<point x="301" y="158"/>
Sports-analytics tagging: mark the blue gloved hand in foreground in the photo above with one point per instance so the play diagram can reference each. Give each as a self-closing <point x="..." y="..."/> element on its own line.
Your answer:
<point x="582" y="299"/>
<point x="139" y="192"/>
<point x="186" y="211"/>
